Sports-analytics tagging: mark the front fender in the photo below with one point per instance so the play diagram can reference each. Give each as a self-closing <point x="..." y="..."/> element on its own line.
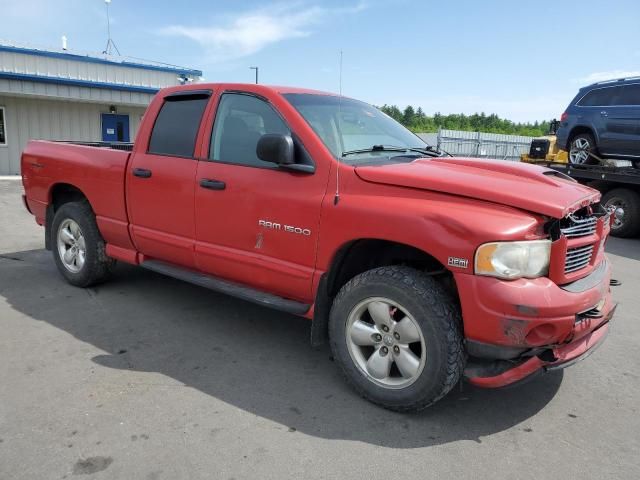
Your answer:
<point x="446" y="227"/>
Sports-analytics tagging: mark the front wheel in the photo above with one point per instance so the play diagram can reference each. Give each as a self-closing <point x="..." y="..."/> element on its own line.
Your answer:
<point x="78" y="247"/>
<point x="397" y="336"/>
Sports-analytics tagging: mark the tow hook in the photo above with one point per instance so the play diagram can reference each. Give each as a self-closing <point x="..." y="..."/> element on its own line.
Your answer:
<point x="615" y="283"/>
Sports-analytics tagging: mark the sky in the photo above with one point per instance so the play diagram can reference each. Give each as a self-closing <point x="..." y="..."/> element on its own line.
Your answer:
<point x="524" y="60"/>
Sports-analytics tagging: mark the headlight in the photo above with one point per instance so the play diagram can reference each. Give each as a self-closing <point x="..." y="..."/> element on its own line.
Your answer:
<point x="513" y="260"/>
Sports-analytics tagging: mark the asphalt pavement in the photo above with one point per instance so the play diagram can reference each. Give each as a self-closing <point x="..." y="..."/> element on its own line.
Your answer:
<point x="146" y="377"/>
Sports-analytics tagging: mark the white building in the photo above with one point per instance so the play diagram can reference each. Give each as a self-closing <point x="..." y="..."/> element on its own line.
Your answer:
<point x="56" y="95"/>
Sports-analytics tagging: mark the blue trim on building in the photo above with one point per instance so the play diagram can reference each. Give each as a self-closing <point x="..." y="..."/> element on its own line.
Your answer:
<point x="77" y="83"/>
<point x="86" y="58"/>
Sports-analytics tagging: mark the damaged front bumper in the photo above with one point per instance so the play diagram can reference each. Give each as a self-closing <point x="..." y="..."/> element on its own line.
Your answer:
<point x="549" y="359"/>
<point x="515" y="330"/>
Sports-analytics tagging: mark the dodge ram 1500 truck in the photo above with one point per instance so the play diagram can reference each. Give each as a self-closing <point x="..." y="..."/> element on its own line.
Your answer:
<point x="418" y="268"/>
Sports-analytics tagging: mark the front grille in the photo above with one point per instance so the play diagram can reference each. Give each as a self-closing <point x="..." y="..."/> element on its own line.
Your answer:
<point x="579" y="226"/>
<point x="577" y="258"/>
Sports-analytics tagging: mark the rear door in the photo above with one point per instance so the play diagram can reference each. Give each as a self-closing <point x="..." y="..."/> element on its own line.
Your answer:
<point x="161" y="179"/>
<point x="594" y="110"/>
<point x="624" y="122"/>
<point x="615" y="118"/>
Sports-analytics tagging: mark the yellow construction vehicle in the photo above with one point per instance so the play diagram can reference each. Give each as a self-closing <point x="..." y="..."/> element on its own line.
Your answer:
<point x="545" y="149"/>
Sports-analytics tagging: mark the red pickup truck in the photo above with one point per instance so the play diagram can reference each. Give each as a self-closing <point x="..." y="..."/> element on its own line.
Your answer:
<point x="418" y="267"/>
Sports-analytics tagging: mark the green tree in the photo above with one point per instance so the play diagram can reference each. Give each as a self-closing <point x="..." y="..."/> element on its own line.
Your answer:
<point x="409" y="116"/>
<point x="416" y="120"/>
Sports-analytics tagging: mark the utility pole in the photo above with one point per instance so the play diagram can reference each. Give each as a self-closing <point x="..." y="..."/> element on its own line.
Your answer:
<point x="111" y="45"/>
<point x="256" y="69"/>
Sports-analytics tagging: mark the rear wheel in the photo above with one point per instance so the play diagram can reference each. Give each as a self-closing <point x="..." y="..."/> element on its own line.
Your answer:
<point x="396" y="335"/>
<point x="581" y="148"/>
<point x="627" y="211"/>
<point x="78" y="247"/>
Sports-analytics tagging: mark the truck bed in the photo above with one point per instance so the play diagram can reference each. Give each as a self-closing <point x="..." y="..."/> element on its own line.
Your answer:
<point x="125" y="146"/>
<point x="96" y="169"/>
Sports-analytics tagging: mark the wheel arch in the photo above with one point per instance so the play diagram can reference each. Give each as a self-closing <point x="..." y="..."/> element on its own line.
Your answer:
<point x="59" y="194"/>
<point x="359" y="255"/>
<point x="577" y="130"/>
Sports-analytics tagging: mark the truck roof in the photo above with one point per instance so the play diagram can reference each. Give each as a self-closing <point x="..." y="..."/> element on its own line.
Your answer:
<point x="250" y="87"/>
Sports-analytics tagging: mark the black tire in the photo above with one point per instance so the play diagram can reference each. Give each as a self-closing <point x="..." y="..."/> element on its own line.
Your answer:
<point x="440" y="323"/>
<point x="629" y="201"/>
<point x="97" y="266"/>
<point x="592" y="148"/>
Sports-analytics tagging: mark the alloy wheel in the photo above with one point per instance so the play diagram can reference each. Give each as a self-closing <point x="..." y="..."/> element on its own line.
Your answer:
<point x="580" y="151"/>
<point x="71" y="245"/>
<point x="385" y="342"/>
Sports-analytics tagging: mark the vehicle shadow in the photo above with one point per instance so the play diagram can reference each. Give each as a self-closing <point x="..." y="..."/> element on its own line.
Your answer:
<point x="624" y="247"/>
<point x="248" y="356"/>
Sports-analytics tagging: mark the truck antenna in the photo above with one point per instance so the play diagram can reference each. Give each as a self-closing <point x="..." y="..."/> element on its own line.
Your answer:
<point x="336" y="198"/>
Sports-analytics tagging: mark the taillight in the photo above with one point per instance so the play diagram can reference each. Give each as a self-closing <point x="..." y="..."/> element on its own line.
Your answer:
<point x="564" y="116"/>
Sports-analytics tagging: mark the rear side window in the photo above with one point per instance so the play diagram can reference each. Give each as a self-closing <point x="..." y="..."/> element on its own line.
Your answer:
<point x="629" y="95"/>
<point x="176" y="127"/>
<point x="600" y="97"/>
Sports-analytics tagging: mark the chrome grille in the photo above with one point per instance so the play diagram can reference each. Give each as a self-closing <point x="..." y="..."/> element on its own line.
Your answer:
<point x="579" y="226"/>
<point x="577" y="258"/>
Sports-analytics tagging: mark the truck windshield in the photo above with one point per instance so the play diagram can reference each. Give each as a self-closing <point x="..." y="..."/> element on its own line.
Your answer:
<point x="355" y="131"/>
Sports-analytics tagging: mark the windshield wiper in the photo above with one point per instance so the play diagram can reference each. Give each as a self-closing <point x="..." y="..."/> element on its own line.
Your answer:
<point x="374" y="148"/>
<point x="390" y="148"/>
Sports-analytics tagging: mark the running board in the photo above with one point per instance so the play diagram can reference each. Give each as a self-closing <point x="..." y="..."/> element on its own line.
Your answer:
<point x="229" y="288"/>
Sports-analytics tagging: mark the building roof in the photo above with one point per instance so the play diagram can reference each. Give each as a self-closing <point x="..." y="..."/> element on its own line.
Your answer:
<point x="85" y="77"/>
<point x="103" y="59"/>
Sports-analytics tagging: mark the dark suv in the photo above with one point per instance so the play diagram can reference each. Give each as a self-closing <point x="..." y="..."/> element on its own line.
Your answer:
<point x="603" y="119"/>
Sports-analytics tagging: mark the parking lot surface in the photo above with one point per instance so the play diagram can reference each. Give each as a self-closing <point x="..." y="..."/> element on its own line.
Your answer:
<point x="146" y="377"/>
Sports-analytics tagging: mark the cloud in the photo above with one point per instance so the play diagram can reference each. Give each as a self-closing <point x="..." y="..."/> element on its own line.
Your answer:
<point x="610" y="75"/>
<point x="249" y="32"/>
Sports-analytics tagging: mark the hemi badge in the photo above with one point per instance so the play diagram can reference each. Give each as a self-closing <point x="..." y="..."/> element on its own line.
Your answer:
<point x="458" y="262"/>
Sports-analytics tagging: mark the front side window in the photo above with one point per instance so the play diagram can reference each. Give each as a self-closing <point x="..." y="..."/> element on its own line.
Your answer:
<point x="346" y="125"/>
<point x="240" y="122"/>
<point x="176" y="127"/>
<point x="3" y="131"/>
<point x="600" y="97"/>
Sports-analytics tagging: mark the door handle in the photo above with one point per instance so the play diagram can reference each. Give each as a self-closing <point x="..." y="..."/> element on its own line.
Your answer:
<point x="141" y="172"/>
<point x="212" y="184"/>
<point x="604" y="113"/>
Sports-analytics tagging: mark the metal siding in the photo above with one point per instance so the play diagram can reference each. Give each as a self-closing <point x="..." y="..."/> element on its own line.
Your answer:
<point x="479" y="144"/>
<point x="14" y="62"/>
<point x="109" y="60"/>
<point x="28" y="118"/>
<point x="71" y="93"/>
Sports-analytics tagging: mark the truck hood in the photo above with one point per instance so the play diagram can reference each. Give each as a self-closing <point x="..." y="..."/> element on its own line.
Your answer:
<point x="528" y="187"/>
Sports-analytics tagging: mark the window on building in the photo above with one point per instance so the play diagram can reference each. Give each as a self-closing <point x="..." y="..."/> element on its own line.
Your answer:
<point x="176" y="127"/>
<point x="3" y="128"/>
<point x="240" y="122"/>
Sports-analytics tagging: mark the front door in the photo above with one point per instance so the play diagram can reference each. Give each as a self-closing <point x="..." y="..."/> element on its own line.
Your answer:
<point x="256" y="224"/>
<point x="160" y="182"/>
<point x="115" y="128"/>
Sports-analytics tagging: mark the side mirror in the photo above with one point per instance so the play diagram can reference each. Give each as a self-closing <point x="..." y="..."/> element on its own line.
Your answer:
<point x="276" y="148"/>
